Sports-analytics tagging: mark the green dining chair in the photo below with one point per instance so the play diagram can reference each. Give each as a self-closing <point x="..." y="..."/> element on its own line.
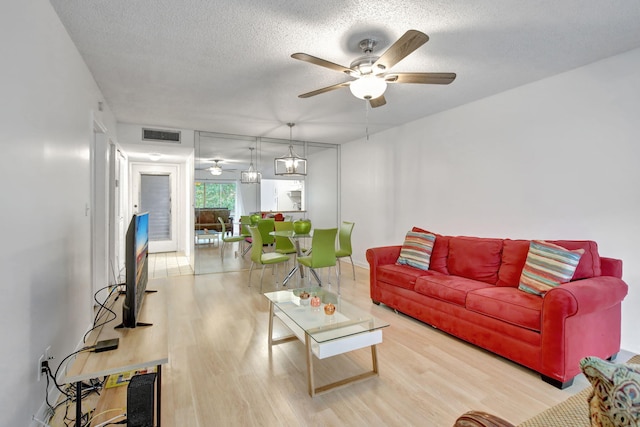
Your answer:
<point x="284" y="244"/>
<point x="264" y="259"/>
<point x="266" y="226"/>
<point x="323" y="252"/>
<point x="345" y="250"/>
<point x="245" y="222"/>
<point x="227" y="239"/>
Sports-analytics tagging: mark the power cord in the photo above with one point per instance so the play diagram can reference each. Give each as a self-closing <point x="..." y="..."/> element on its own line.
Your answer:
<point x="102" y="308"/>
<point x="42" y="423"/>
<point x="110" y="421"/>
<point x="95" y="385"/>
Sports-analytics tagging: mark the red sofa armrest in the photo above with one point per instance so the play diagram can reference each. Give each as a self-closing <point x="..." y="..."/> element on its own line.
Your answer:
<point x="611" y="267"/>
<point x="580" y="318"/>
<point x="382" y="255"/>
<point x="584" y="296"/>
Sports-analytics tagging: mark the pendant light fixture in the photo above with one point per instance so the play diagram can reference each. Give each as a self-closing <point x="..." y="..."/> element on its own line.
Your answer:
<point x="250" y="176"/>
<point x="290" y="164"/>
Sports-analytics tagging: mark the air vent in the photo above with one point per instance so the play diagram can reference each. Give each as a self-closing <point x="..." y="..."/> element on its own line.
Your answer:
<point x="161" y="135"/>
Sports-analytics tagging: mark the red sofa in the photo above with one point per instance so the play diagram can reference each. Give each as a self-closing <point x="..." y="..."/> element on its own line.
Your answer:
<point x="471" y="291"/>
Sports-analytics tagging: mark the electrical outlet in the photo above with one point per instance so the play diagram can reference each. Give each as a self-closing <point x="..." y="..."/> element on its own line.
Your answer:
<point x="45" y="357"/>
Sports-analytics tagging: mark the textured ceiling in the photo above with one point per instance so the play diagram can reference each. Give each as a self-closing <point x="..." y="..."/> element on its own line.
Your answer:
<point x="225" y="66"/>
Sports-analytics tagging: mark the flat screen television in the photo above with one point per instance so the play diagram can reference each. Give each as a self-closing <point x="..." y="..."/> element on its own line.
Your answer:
<point x="136" y="265"/>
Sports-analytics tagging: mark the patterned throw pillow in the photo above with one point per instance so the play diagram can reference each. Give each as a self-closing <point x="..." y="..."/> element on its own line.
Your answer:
<point x="416" y="250"/>
<point x="615" y="400"/>
<point x="547" y="266"/>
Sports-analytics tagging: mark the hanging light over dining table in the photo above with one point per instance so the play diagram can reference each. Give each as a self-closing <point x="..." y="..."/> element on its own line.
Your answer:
<point x="291" y="164"/>
<point x="251" y="175"/>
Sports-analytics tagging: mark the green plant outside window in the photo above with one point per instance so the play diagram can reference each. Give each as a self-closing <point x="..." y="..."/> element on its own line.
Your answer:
<point x="215" y="195"/>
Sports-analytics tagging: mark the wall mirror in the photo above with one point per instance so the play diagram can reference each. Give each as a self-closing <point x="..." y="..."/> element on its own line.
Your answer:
<point x="219" y="193"/>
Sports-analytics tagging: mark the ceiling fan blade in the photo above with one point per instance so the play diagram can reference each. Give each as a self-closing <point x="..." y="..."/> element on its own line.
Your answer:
<point x="324" y="89"/>
<point x="321" y="62"/>
<point x="421" y="78"/>
<point x="410" y="41"/>
<point x="377" y="102"/>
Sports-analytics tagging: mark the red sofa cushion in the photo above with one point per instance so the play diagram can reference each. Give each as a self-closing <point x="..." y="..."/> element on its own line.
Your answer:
<point x="589" y="265"/>
<point x="403" y="276"/>
<point x="514" y="256"/>
<point x="507" y="304"/>
<point x="475" y="258"/>
<point x="451" y="289"/>
<point x="439" y="252"/>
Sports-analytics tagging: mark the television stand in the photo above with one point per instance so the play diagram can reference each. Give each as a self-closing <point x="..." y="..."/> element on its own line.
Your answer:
<point x="121" y="325"/>
<point x="138" y="348"/>
<point x="146" y="291"/>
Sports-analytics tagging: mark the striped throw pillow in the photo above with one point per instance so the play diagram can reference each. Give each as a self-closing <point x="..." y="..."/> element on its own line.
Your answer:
<point x="547" y="266"/>
<point x="416" y="250"/>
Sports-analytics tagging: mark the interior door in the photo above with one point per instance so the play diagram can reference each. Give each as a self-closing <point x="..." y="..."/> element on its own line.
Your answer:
<point x="154" y="190"/>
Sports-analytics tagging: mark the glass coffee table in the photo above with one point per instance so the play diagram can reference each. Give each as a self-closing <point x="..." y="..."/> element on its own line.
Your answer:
<point x="348" y="328"/>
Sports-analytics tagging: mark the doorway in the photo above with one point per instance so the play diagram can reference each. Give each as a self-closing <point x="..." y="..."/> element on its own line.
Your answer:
<point x="154" y="191"/>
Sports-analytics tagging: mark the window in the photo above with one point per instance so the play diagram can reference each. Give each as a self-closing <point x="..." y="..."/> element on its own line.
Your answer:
<point x="215" y="195"/>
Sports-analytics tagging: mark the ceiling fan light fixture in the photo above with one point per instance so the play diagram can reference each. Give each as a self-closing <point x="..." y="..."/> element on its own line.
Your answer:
<point x="216" y="169"/>
<point x="370" y="70"/>
<point x="365" y="65"/>
<point x="368" y="87"/>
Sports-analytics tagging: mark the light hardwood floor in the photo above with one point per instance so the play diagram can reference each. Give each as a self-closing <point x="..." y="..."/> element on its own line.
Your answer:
<point x="221" y="373"/>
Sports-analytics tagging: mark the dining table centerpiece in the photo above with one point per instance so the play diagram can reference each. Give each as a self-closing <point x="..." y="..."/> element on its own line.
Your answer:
<point x="302" y="226"/>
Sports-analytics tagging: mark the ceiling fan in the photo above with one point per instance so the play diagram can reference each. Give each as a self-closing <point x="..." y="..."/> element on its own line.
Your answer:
<point x="371" y="72"/>
<point x="216" y="168"/>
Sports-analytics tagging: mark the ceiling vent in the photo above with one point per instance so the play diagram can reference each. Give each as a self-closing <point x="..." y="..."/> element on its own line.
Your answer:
<point x="161" y="135"/>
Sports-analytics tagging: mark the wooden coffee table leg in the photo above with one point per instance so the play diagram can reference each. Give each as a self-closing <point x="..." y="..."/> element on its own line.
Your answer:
<point x="310" y="379"/>
<point x="356" y="378"/>
<point x="374" y="358"/>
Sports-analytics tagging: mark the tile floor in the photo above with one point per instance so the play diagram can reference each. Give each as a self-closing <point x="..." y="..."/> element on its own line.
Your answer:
<point x="167" y="264"/>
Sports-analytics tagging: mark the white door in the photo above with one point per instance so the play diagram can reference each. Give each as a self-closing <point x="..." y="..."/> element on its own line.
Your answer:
<point x="154" y="191"/>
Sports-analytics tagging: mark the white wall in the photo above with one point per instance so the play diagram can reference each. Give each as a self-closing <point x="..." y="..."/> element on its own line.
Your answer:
<point x="321" y="188"/>
<point x="556" y="159"/>
<point x="48" y="98"/>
